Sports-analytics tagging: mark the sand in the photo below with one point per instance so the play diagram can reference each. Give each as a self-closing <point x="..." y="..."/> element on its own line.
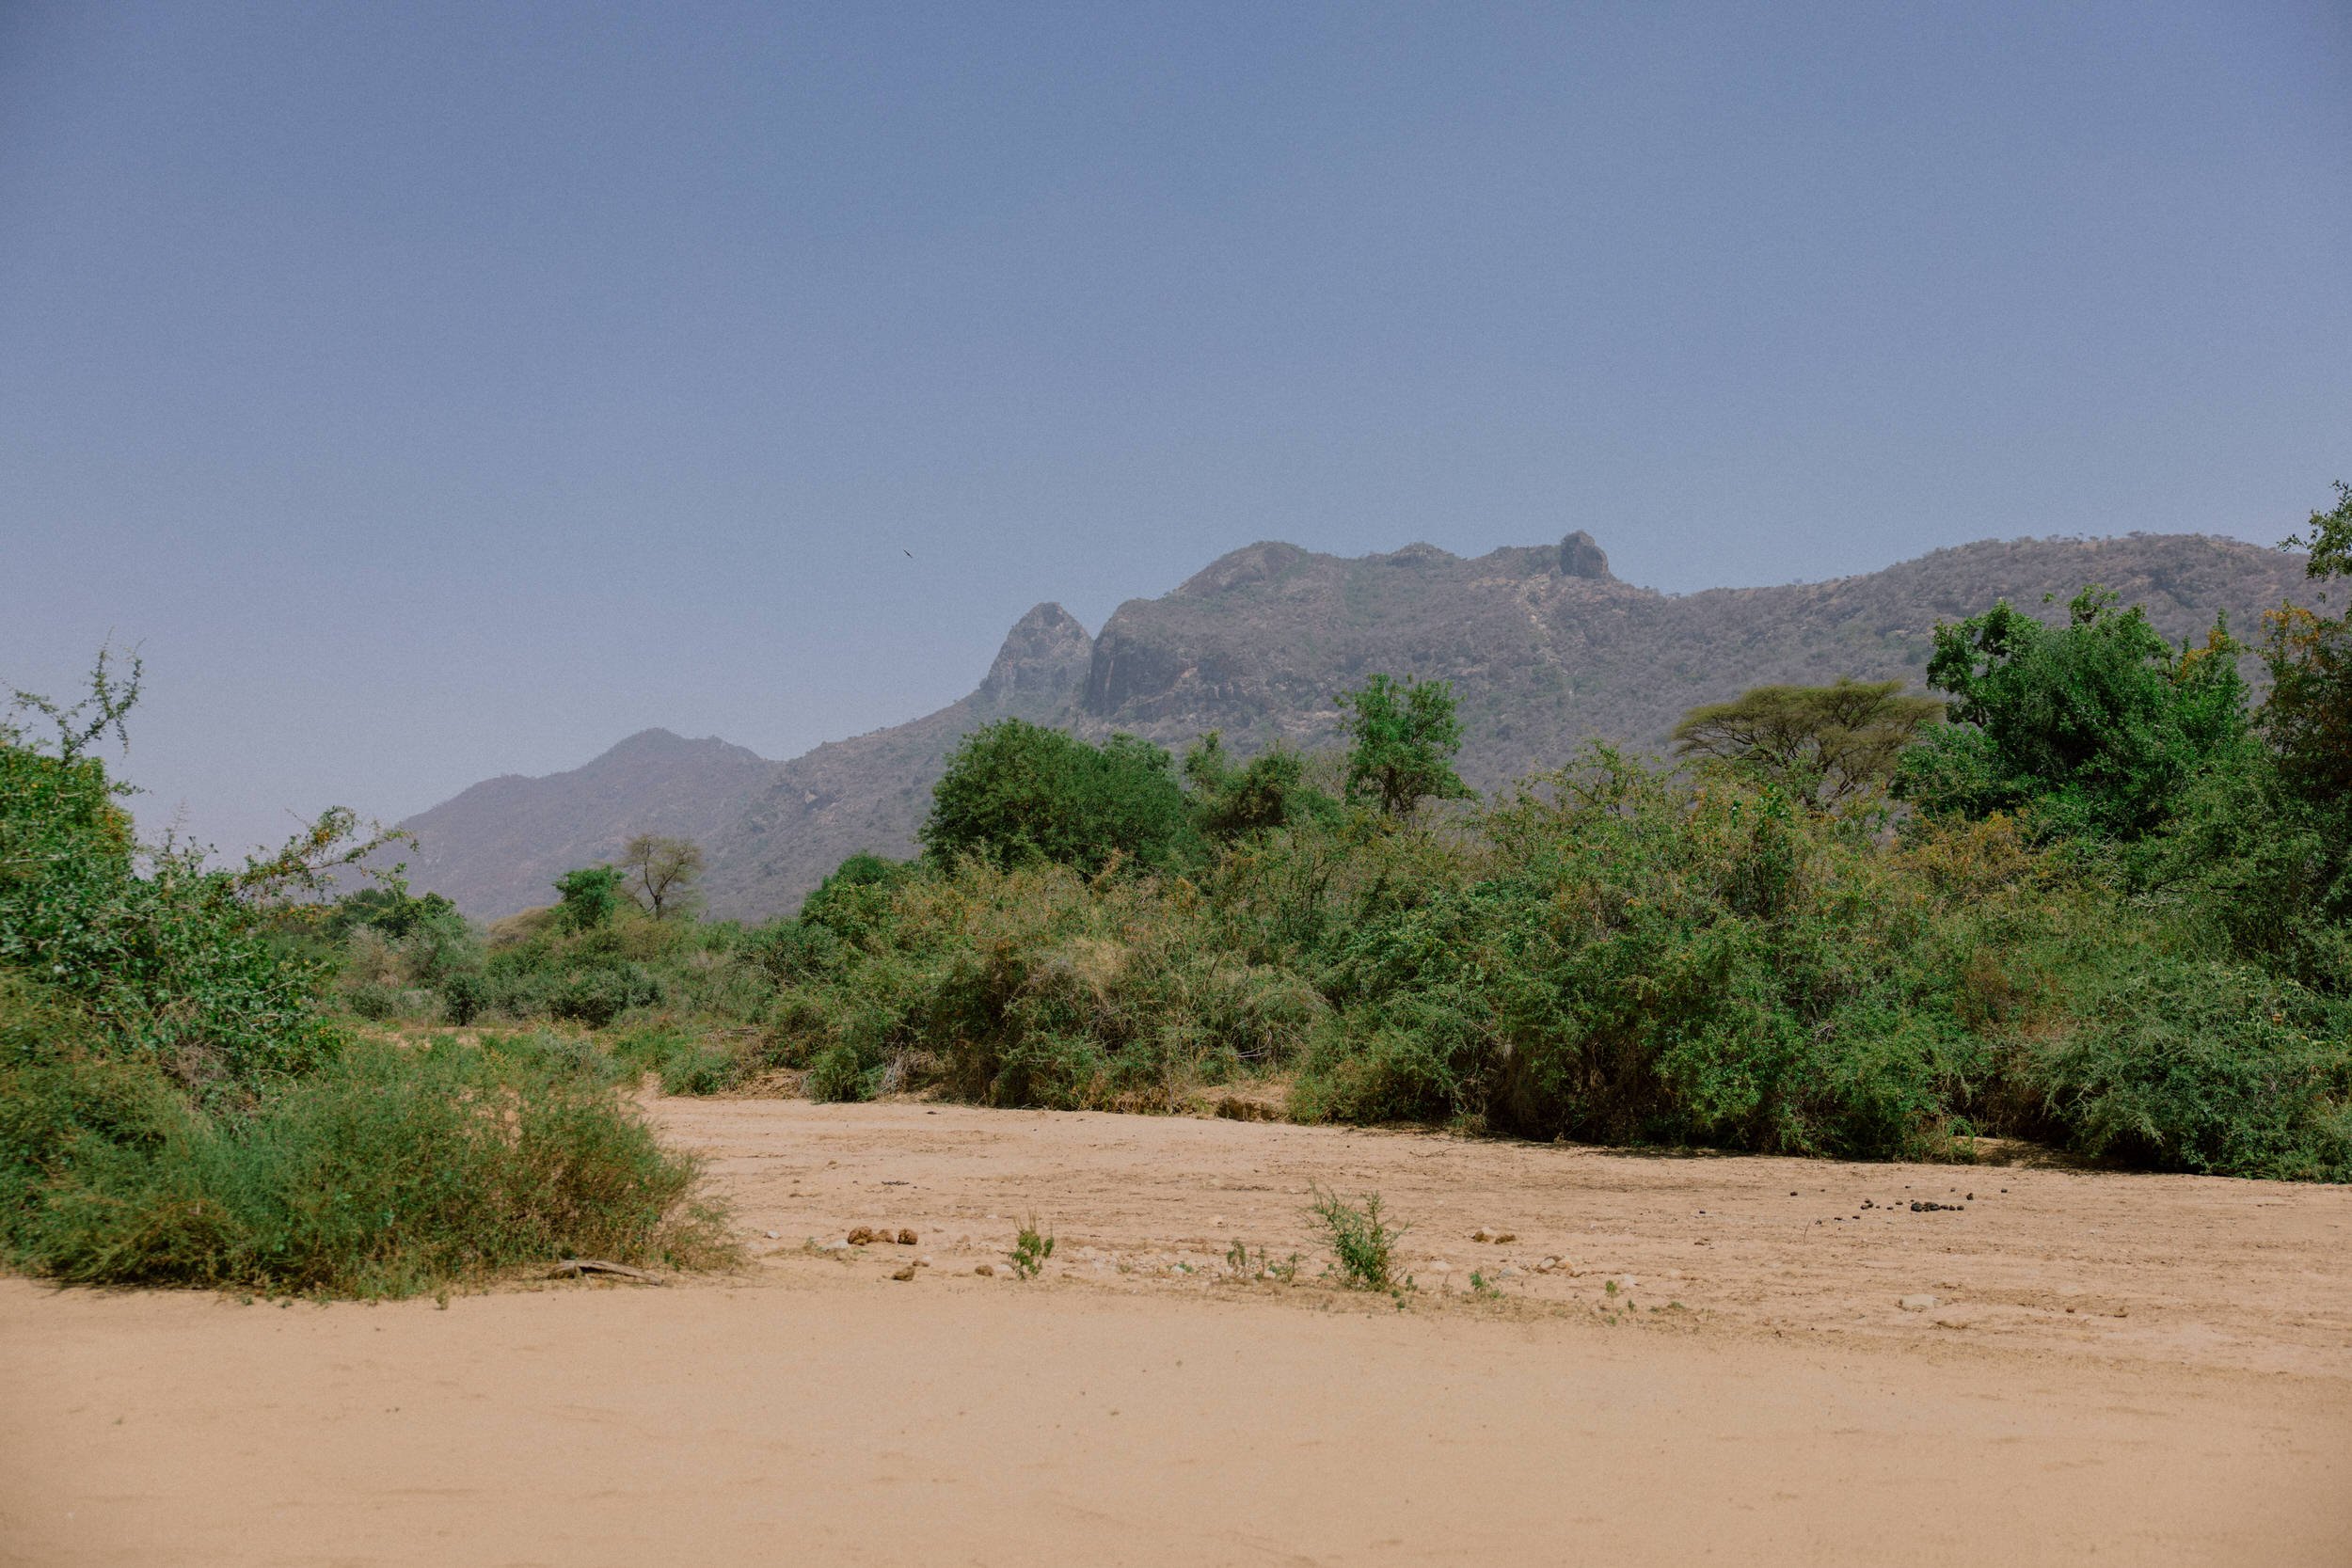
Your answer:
<point x="2128" y="1369"/>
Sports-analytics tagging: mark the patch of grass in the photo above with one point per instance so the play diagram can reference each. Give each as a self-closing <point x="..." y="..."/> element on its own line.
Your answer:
<point x="1362" y="1242"/>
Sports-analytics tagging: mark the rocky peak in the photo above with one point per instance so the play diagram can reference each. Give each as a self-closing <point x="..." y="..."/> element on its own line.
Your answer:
<point x="1580" y="556"/>
<point x="1260" y="563"/>
<point x="1043" y="658"/>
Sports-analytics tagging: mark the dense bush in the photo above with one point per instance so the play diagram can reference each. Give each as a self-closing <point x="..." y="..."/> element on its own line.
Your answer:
<point x="1014" y="792"/>
<point x="386" y="1171"/>
<point x="1039" y="986"/>
<point x="177" y="1106"/>
<point x="2091" y="728"/>
<point x="171" y="965"/>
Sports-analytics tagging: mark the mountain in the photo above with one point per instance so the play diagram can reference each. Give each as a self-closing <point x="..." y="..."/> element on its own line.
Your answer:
<point x="1545" y="645"/>
<point x="499" y="846"/>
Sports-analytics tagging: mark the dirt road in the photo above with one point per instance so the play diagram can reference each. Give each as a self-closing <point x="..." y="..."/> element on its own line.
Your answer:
<point x="2063" y="1367"/>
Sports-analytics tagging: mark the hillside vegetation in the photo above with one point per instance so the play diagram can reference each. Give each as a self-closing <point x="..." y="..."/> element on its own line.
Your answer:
<point x="2099" y="895"/>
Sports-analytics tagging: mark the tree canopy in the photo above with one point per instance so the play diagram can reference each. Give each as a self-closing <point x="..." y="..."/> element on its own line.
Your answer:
<point x="587" y="896"/>
<point x="1826" y="744"/>
<point x="1270" y="791"/>
<point x="660" y="870"/>
<point x="1403" y="737"/>
<point x="1016" y="791"/>
<point x="2094" y="728"/>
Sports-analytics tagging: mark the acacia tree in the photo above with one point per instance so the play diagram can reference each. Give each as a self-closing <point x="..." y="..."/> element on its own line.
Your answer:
<point x="1404" y="735"/>
<point x="662" y="870"/>
<point x="1825" y="744"/>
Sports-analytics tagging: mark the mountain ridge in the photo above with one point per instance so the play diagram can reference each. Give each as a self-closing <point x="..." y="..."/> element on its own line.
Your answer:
<point x="1545" y="645"/>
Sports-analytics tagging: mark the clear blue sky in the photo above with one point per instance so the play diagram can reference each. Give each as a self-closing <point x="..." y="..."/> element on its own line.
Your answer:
<point x="441" y="390"/>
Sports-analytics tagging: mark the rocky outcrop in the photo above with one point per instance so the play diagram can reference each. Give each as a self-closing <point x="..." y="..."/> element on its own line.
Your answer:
<point x="1045" y="659"/>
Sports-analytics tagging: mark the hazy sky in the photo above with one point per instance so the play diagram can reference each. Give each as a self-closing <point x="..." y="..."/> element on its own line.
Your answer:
<point x="437" y="391"/>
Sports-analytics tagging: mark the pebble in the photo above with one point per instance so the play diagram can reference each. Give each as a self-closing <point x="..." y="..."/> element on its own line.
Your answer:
<point x="905" y="1274"/>
<point x="986" y="1270"/>
<point x="1916" y="1304"/>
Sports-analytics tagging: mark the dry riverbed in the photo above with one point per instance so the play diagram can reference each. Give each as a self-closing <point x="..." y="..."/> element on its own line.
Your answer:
<point x="1679" y="1358"/>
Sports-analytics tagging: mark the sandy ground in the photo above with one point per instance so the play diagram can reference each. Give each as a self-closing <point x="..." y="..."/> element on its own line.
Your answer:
<point x="2127" y="1368"/>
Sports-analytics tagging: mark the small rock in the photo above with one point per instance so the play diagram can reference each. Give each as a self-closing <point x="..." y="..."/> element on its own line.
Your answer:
<point x="1503" y="1236"/>
<point x="906" y="1238"/>
<point x="1479" y="1234"/>
<point x="986" y="1271"/>
<point x="905" y="1274"/>
<point x="859" y="1236"/>
<point x="771" y="1235"/>
<point x="1507" y="1272"/>
<point x="925" y="1261"/>
<point x="1916" y="1304"/>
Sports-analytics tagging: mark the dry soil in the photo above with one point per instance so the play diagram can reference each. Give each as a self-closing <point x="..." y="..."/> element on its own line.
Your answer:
<point x="1739" y="1360"/>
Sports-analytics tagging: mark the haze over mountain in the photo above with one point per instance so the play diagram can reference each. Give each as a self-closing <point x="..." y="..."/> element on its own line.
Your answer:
<point x="1546" y="648"/>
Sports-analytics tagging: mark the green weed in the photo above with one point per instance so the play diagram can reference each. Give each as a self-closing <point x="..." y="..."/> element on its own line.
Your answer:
<point x="1363" y="1243"/>
<point x="1030" y="1250"/>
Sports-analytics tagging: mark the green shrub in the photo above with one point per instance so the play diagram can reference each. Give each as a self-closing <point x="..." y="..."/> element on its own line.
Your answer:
<point x="1030" y="1249"/>
<point x="597" y="996"/>
<point x="1038" y="986"/>
<point x="706" y="1066"/>
<point x="1014" y="792"/>
<point x="2180" y="1063"/>
<point x="386" y="1172"/>
<point x="465" y="996"/>
<point x="176" y="1109"/>
<point x="1363" y="1243"/>
<point x="173" y="965"/>
<point x="836" y="1074"/>
<point x="372" y="1000"/>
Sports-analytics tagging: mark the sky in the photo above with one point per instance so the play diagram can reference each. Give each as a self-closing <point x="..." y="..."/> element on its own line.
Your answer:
<point x="435" y="391"/>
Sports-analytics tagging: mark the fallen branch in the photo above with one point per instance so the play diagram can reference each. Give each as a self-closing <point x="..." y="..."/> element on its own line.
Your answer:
<point x="573" y="1268"/>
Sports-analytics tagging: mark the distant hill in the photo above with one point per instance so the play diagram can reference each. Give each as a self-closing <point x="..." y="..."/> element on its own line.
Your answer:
<point x="496" y="847"/>
<point x="1546" y="648"/>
